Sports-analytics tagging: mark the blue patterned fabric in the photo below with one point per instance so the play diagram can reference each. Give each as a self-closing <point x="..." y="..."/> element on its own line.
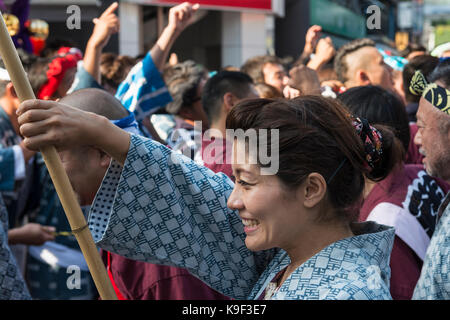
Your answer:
<point x="7" y="167"/>
<point x="143" y="91"/>
<point x="9" y="138"/>
<point x="12" y="285"/>
<point x="163" y="208"/>
<point x="45" y="280"/>
<point x="434" y="281"/>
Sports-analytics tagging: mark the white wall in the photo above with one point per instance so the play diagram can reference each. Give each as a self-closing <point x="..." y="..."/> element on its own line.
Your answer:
<point x="245" y="35"/>
<point x="131" y="28"/>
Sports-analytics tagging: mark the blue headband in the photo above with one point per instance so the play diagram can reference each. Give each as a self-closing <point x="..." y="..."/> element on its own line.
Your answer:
<point x="128" y="123"/>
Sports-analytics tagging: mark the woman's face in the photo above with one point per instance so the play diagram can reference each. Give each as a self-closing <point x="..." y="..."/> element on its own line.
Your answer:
<point x="273" y="216"/>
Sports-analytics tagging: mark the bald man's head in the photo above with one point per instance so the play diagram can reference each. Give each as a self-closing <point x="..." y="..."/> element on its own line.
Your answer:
<point x="86" y="165"/>
<point x="96" y="101"/>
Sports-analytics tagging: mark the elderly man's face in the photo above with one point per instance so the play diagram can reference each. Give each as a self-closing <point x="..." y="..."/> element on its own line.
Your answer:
<point x="433" y="141"/>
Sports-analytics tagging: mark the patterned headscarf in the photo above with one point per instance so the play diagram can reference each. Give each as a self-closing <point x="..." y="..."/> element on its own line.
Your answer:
<point x="433" y="93"/>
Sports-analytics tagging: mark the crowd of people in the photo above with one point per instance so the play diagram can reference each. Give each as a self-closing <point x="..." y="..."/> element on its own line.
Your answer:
<point x="170" y="164"/>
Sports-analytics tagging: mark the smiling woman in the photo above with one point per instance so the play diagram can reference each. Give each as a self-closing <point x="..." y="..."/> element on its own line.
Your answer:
<point x="285" y="236"/>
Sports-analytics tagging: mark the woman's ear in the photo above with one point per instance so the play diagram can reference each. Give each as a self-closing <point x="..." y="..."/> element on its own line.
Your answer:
<point x="315" y="189"/>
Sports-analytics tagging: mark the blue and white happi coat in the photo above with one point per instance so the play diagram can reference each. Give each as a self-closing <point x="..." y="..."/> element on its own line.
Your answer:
<point x="163" y="208"/>
<point x="143" y="91"/>
<point x="434" y="281"/>
<point x="12" y="285"/>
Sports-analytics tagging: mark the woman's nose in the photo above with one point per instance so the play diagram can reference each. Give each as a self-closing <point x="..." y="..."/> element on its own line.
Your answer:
<point x="234" y="201"/>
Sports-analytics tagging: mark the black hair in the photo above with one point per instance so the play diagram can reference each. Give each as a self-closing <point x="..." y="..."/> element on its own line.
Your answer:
<point x="379" y="106"/>
<point x="235" y="82"/>
<point x="442" y="73"/>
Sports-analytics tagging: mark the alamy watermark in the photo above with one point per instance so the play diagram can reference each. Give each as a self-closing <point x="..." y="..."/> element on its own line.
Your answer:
<point x="374" y="20"/>
<point x="74" y="280"/>
<point x="249" y="147"/>
<point x="73" y="21"/>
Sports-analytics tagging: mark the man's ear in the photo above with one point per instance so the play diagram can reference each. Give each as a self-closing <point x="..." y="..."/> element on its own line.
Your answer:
<point x="105" y="159"/>
<point x="229" y="100"/>
<point x="362" y="78"/>
<point x="314" y="189"/>
<point x="10" y="91"/>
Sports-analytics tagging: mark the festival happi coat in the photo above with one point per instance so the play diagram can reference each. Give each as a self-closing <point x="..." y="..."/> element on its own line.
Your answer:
<point x="434" y="281"/>
<point x="163" y="208"/>
<point x="12" y="285"/>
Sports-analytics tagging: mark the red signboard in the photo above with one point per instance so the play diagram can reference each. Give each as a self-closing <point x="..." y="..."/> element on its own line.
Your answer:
<point x="260" y="5"/>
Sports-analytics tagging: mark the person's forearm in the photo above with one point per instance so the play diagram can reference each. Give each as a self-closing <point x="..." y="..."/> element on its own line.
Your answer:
<point x="315" y="64"/>
<point x="161" y="49"/>
<point x="91" y="61"/>
<point x="14" y="236"/>
<point x="109" y="138"/>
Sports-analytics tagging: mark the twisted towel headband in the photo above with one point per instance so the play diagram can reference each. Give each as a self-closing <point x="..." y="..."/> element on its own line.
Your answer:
<point x="433" y="93"/>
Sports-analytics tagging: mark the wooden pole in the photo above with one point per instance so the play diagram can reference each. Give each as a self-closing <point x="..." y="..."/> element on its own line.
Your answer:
<point x="58" y="174"/>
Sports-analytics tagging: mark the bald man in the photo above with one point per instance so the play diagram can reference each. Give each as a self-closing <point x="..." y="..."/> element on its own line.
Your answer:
<point x="358" y="63"/>
<point x="86" y="167"/>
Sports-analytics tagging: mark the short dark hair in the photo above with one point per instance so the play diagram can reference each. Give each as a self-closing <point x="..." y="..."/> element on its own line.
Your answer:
<point x="442" y="73"/>
<point x="315" y="134"/>
<point x="238" y="83"/>
<point x="426" y="64"/>
<point x="340" y="65"/>
<point x="254" y="66"/>
<point x="412" y="47"/>
<point x="182" y="81"/>
<point x="379" y="106"/>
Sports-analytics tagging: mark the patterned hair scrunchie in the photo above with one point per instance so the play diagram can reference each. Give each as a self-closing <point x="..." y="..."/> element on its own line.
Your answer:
<point x="433" y="93"/>
<point x="373" y="145"/>
<point x="372" y="140"/>
<point x="66" y="58"/>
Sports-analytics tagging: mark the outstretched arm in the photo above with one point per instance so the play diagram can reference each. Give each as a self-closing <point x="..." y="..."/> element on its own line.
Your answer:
<point x="105" y="26"/>
<point x="181" y="206"/>
<point x="45" y="123"/>
<point x="180" y="17"/>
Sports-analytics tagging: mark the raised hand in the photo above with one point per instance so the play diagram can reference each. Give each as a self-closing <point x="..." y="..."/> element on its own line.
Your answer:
<point x="181" y="16"/>
<point x="105" y="26"/>
<point x="324" y="52"/>
<point x="311" y="38"/>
